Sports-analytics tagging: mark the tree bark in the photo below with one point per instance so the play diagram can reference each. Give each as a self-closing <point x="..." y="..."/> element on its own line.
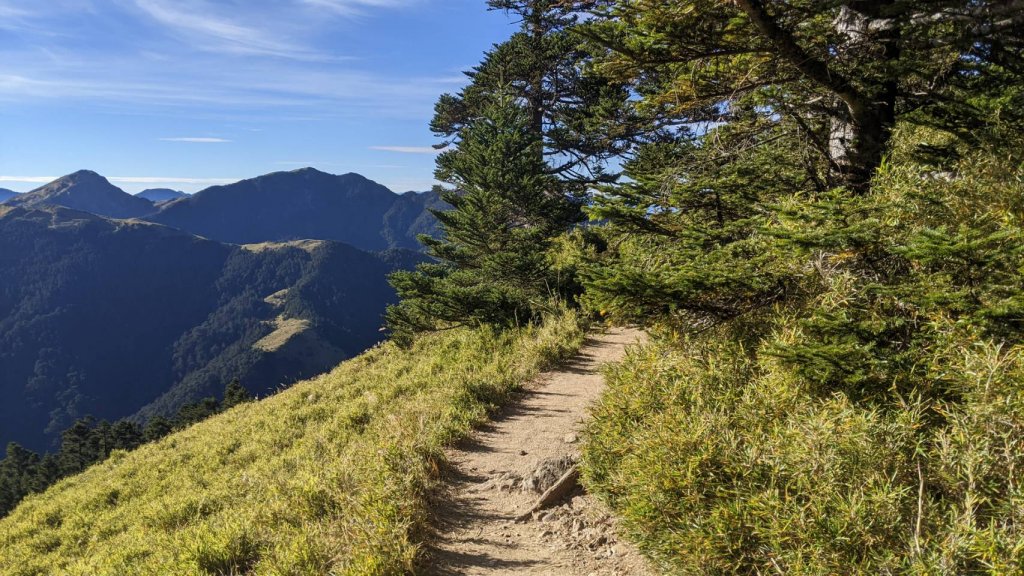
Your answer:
<point x="865" y="111"/>
<point x="861" y="129"/>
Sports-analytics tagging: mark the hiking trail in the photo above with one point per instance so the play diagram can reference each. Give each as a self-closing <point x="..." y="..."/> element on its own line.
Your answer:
<point x="499" y="473"/>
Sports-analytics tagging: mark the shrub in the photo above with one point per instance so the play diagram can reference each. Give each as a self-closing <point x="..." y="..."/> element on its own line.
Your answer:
<point x="871" y="421"/>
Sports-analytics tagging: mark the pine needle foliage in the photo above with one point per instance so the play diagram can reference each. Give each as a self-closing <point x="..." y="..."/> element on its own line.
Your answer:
<point x="491" y="263"/>
<point x="524" y="141"/>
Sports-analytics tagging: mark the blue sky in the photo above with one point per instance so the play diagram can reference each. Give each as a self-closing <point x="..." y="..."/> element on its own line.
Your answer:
<point x="189" y="93"/>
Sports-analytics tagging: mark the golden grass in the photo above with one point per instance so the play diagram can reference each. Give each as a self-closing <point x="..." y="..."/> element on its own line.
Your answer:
<point x="327" y="477"/>
<point x="307" y="245"/>
<point x="284" y="330"/>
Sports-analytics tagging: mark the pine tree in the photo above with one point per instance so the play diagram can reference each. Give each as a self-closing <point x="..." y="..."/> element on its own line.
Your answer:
<point x="196" y="412"/>
<point x="235" y="394"/>
<point x="491" y="263"/>
<point x="842" y="73"/>
<point x="773" y="100"/>
<point x="527" y="138"/>
<point x="157" y="428"/>
<point x="79" y="447"/>
<point x="582" y="120"/>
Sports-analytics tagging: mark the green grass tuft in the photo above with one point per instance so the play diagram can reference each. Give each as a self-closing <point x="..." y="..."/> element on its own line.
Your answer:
<point x="327" y="477"/>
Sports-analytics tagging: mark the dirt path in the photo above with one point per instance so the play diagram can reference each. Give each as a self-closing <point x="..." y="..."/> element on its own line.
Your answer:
<point x="500" y="472"/>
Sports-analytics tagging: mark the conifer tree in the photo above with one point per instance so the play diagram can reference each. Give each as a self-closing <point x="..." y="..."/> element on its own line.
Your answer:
<point x="527" y="138"/>
<point x="771" y="100"/>
<point x="491" y="264"/>
<point x="842" y="73"/>
<point x="157" y="428"/>
<point x="235" y="394"/>
<point x="582" y="120"/>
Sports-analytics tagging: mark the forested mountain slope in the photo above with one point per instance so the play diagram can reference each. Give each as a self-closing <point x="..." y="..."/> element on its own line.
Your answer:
<point x="110" y="318"/>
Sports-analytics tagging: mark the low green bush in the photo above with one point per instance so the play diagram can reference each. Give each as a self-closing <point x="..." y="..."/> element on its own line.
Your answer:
<point x="869" y="421"/>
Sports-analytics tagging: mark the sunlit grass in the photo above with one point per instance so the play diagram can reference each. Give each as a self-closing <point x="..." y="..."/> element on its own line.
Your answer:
<point x="327" y="477"/>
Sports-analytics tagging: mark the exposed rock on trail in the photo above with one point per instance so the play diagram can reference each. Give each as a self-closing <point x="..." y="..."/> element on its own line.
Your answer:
<point x="499" y="474"/>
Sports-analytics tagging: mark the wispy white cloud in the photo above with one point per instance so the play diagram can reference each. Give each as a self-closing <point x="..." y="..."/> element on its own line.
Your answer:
<point x="8" y="11"/>
<point x="351" y="8"/>
<point x="200" y="22"/>
<point x="29" y="179"/>
<point x="237" y="70"/>
<point x="407" y="149"/>
<point x="196" y="140"/>
<point x="308" y="93"/>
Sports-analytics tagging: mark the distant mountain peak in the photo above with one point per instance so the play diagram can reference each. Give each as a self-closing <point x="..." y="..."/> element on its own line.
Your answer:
<point x="305" y="203"/>
<point x="158" y="195"/>
<point x="87" y="191"/>
<point x="79" y="177"/>
<point x="308" y="170"/>
<point x="83" y="173"/>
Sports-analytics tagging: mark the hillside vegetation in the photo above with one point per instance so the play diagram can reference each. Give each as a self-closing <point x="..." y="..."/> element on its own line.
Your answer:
<point x="328" y="476"/>
<point x="871" y="424"/>
<point x="111" y="318"/>
<point x="833" y="269"/>
<point x="819" y="219"/>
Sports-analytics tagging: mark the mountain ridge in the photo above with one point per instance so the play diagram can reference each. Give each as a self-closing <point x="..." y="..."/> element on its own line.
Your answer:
<point x="179" y="316"/>
<point x="277" y="207"/>
<point x="86" y="191"/>
<point x="306" y="203"/>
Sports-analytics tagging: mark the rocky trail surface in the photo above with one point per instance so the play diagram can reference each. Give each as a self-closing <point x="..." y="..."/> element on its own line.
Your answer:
<point x="484" y="522"/>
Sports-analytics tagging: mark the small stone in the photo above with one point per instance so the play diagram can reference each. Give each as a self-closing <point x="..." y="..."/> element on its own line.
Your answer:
<point x="571" y="438"/>
<point x="549" y="517"/>
<point x="522" y="452"/>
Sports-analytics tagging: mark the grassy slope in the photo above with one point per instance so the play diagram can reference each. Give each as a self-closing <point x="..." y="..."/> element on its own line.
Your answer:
<point x="326" y="477"/>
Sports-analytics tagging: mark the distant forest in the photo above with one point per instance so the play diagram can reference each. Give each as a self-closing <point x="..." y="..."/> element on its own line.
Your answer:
<point x="86" y="442"/>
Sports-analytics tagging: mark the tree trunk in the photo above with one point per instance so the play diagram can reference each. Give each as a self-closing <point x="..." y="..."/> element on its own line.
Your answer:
<point x="861" y="127"/>
<point x="536" y="98"/>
